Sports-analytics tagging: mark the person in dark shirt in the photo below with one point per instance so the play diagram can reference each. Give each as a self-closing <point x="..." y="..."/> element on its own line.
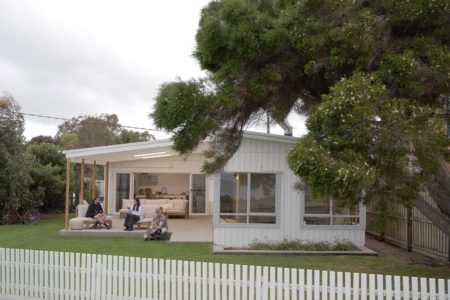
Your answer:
<point x="95" y="211"/>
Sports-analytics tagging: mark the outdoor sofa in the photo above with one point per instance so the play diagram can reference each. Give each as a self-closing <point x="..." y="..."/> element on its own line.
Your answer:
<point x="80" y="213"/>
<point x="170" y="207"/>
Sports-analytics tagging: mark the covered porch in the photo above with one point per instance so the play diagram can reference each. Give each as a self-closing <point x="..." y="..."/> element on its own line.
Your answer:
<point x="149" y="171"/>
<point x="196" y="229"/>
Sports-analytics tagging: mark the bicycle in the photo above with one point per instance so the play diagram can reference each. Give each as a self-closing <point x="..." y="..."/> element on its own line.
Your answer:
<point x="29" y="216"/>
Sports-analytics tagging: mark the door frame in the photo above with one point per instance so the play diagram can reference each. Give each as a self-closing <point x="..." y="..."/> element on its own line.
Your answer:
<point x="191" y="175"/>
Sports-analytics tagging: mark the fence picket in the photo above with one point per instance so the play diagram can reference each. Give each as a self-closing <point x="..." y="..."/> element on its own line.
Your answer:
<point x="380" y="288"/>
<point x="423" y="289"/>
<point x="251" y="286"/>
<point x="432" y="289"/>
<point x="217" y="280"/>
<point x="294" y="284"/>
<point x="245" y="282"/>
<point x="205" y="275"/>
<point x="301" y="282"/>
<point x="397" y="288"/>
<point x="32" y="274"/>
<point x="332" y="285"/>
<point x="279" y="283"/>
<point x="224" y="282"/>
<point x="185" y="280"/>
<point x="388" y="280"/>
<point x="363" y="295"/>
<point x="441" y="289"/>
<point x="265" y="283"/>
<point x="355" y="286"/>
<point x="237" y="283"/>
<point x="174" y="281"/>
<point x="161" y="279"/>
<point x="180" y="279"/>
<point x="406" y="287"/>
<point x="339" y="285"/>
<point x="230" y="282"/>
<point x="287" y="283"/>
<point x="167" y="281"/>
<point x="316" y="285"/>
<point x="258" y="291"/>
<point x="324" y="295"/>
<point x="415" y="288"/>
<point x="348" y="286"/>
<point x="272" y="283"/>
<point x="309" y="284"/>
<point x="155" y="273"/>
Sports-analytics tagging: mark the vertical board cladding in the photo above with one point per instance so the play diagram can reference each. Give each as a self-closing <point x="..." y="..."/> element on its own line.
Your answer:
<point x="265" y="155"/>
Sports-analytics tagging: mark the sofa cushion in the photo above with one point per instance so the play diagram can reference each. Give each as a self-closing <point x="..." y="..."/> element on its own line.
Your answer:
<point x="179" y="204"/>
<point x="127" y="203"/>
<point x="82" y="210"/>
<point x="155" y="201"/>
<point x="167" y="206"/>
<point x="149" y="210"/>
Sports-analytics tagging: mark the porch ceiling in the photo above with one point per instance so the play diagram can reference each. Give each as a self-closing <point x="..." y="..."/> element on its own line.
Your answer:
<point x="123" y="152"/>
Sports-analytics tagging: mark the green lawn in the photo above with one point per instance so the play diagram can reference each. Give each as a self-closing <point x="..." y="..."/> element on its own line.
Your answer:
<point x="45" y="237"/>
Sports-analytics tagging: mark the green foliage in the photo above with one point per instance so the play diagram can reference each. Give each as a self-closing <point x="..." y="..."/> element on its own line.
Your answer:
<point x="91" y="131"/>
<point x="14" y="163"/>
<point x="297" y="245"/>
<point x="48" y="171"/>
<point x="364" y="144"/>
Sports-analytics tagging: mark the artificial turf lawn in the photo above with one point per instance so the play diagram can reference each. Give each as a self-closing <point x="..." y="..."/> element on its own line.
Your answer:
<point x="44" y="236"/>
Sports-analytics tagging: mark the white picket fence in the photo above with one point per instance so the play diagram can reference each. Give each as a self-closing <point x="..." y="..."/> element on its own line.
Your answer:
<point x="31" y="274"/>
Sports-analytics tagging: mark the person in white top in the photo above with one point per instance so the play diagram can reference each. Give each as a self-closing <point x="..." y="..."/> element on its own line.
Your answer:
<point x="135" y="213"/>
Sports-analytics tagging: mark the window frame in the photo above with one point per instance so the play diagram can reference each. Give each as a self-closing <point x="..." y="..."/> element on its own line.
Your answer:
<point x="331" y="216"/>
<point x="249" y="214"/>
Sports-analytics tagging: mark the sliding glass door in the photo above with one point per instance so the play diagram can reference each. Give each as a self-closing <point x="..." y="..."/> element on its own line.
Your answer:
<point x="198" y="195"/>
<point x="122" y="188"/>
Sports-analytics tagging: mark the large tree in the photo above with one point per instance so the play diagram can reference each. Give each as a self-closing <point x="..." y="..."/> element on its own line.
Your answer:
<point x="383" y="66"/>
<point x="14" y="163"/>
<point x="48" y="171"/>
<point x="91" y="131"/>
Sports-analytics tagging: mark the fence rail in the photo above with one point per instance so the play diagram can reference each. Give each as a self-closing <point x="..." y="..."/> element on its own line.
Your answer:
<point x="32" y="274"/>
<point x="424" y="236"/>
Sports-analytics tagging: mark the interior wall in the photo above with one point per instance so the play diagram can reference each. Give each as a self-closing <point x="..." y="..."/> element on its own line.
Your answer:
<point x="174" y="183"/>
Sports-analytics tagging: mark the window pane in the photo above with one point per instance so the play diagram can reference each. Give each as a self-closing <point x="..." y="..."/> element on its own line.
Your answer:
<point x="345" y="210"/>
<point x="233" y="193"/>
<point x="263" y="219"/>
<point x="345" y="220"/>
<point x="317" y="221"/>
<point x="314" y="206"/>
<point x="262" y="193"/>
<point x="233" y="219"/>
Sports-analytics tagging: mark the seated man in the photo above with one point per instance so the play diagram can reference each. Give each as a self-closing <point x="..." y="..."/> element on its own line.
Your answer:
<point x="158" y="227"/>
<point x="95" y="211"/>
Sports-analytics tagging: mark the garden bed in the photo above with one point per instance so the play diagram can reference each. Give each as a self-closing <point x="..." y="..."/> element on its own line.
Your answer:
<point x="297" y="248"/>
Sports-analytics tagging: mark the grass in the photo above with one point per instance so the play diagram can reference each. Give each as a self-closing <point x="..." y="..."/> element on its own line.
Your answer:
<point x="44" y="236"/>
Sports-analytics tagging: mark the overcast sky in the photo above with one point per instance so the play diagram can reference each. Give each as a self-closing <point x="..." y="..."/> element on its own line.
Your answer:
<point x="71" y="58"/>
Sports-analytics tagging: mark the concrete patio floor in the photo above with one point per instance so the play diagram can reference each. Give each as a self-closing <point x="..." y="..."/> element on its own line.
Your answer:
<point x="196" y="229"/>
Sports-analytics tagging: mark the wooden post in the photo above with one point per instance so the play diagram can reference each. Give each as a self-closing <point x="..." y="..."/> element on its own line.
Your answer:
<point x="106" y="178"/>
<point x="94" y="175"/>
<point x="81" y="182"/>
<point x="409" y="228"/>
<point x="66" y="221"/>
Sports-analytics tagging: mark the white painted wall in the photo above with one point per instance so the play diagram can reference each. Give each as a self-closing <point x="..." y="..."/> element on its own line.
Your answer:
<point x="267" y="156"/>
<point x="174" y="183"/>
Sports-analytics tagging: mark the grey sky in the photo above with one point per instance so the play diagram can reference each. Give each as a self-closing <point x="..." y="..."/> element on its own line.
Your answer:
<point x="70" y="58"/>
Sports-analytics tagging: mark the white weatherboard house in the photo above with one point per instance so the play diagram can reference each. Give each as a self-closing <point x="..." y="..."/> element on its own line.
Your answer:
<point x="252" y="199"/>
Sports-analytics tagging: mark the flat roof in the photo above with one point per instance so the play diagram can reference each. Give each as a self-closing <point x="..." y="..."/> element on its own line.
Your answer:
<point x="157" y="148"/>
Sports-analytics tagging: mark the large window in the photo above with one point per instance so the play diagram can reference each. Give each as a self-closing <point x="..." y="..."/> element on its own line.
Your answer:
<point x="328" y="212"/>
<point x="248" y="198"/>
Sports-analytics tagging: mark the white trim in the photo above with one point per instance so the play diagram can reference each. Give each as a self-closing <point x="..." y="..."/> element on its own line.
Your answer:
<point x="277" y="213"/>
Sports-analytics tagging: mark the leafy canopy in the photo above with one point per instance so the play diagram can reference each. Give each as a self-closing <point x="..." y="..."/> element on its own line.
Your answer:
<point x="91" y="131"/>
<point x="275" y="56"/>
